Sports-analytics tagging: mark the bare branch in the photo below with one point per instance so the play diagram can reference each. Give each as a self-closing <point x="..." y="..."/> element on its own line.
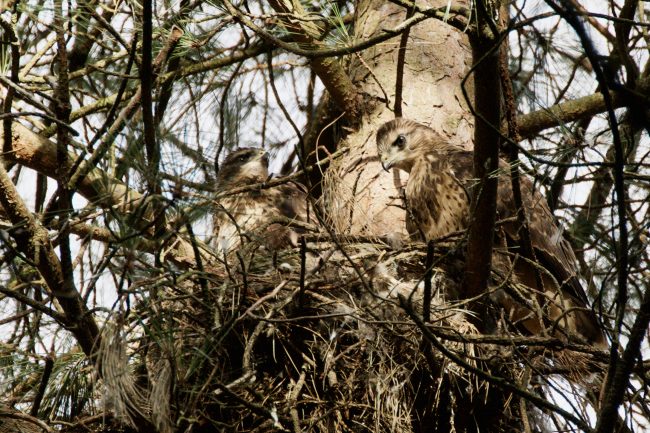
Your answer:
<point x="533" y="123"/>
<point x="487" y="110"/>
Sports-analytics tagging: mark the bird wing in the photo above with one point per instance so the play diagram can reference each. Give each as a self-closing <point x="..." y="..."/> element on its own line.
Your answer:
<point x="290" y="201"/>
<point x="554" y="253"/>
<point x="551" y="249"/>
<point x="293" y="202"/>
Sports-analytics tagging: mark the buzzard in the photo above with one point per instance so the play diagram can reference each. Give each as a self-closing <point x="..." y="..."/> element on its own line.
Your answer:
<point x="255" y="214"/>
<point x="438" y="195"/>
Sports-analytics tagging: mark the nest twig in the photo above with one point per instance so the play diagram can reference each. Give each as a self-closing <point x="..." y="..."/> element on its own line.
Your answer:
<point x="299" y="342"/>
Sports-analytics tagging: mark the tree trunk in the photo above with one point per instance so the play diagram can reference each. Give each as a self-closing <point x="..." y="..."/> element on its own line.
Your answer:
<point x="360" y="197"/>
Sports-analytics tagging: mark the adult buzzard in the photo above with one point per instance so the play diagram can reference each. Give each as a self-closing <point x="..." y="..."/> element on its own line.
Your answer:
<point x="438" y="195"/>
<point x="257" y="214"/>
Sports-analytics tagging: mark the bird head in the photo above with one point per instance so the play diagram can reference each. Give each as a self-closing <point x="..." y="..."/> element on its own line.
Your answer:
<point x="400" y="142"/>
<point x="246" y="165"/>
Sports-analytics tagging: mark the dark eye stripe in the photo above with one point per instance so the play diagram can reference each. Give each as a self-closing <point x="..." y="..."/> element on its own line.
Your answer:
<point x="242" y="157"/>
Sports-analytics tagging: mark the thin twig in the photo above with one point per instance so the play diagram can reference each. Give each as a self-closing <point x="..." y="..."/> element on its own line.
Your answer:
<point x="45" y="378"/>
<point x="501" y="382"/>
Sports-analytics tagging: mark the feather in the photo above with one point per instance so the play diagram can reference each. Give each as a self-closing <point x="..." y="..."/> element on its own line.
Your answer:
<point x="438" y="202"/>
<point x="258" y="214"/>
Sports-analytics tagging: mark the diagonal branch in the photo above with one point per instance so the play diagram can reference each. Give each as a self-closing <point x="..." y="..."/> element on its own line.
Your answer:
<point x="88" y="164"/>
<point x="329" y="70"/>
<point x="87" y="37"/>
<point x="32" y="240"/>
<point x="498" y="381"/>
<point x="39" y="154"/>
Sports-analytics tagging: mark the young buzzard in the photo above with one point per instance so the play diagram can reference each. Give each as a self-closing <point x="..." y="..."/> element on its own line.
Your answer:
<point x="438" y="203"/>
<point x="258" y="214"/>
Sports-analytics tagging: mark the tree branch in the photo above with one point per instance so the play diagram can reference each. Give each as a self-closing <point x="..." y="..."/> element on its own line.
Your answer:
<point x="89" y="164"/>
<point x="86" y="38"/>
<point x="487" y="109"/>
<point x="63" y="195"/>
<point x="329" y="70"/>
<point x="501" y="382"/>
<point x="39" y="154"/>
<point x="535" y="122"/>
<point x="33" y="241"/>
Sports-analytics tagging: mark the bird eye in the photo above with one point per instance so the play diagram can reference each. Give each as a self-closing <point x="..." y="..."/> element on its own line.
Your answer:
<point x="243" y="158"/>
<point x="400" y="141"/>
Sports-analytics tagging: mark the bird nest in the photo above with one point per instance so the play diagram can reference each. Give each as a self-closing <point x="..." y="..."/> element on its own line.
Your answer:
<point x="329" y="337"/>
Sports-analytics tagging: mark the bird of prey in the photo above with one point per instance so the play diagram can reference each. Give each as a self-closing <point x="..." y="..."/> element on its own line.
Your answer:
<point x="255" y="213"/>
<point x="438" y="200"/>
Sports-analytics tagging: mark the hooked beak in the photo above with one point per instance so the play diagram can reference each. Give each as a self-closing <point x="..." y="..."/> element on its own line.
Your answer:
<point x="386" y="165"/>
<point x="265" y="158"/>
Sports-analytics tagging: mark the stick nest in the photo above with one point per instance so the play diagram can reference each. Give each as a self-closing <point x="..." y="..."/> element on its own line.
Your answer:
<point x="320" y="338"/>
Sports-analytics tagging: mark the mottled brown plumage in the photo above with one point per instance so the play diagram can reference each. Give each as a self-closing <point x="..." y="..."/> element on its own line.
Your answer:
<point x="438" y="196"/>
<point x="259" y="215"/>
